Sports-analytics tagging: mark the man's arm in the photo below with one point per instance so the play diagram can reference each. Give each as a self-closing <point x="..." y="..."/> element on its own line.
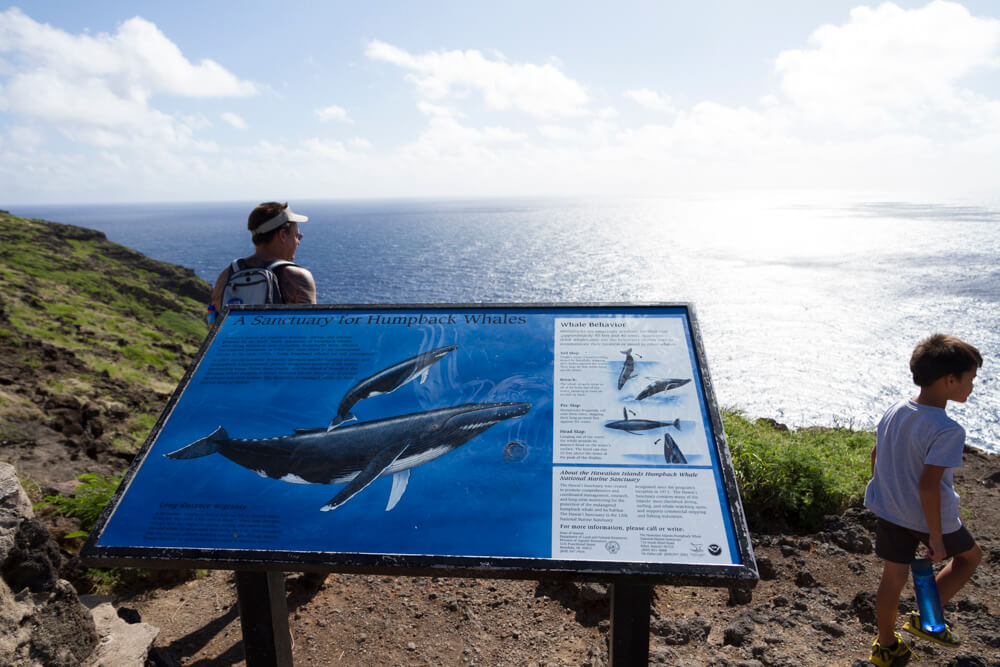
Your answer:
<point x="873" y="459"/>
<point x="297" y="285"/>
<point x="930" y="500"/>
<point x="220" y="286"/>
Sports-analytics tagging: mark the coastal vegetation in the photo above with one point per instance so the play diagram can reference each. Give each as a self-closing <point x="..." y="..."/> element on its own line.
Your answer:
<point x="789" y="480"/>
<point x="87" y="502"/>
<point x="89" y="321"/>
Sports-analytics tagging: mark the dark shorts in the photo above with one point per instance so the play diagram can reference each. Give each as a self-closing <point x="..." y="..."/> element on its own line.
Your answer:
<point x="899" y="545"/>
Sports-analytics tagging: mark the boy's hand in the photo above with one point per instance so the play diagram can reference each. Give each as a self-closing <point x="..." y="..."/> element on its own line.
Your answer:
<point x="935" y="549"/>
<point x="930" y="501"/>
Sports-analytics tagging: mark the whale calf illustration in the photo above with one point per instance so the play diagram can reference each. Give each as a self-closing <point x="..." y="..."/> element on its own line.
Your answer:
<point x="627" y="368"/>
<point x="661" y="385"/>
<point x="388" y="380"/>
<point x="357" y="454"/>
<point x="633" y="425"/>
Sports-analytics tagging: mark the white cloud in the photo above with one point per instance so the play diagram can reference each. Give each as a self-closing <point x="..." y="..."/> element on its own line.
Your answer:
<point x="887" y="67"/>
<point x="25" y="138"/>
<point x="539" y="90"/>
<point x="429" y="109"/>
<point x="326" y="149"/>
<point x="445" y="138"/>
<point x="332" y="112"/>
<point x="97" y="89"/>
<point x="558" y="132"/>
<point x="234" y="120"/>
<point x="650" y="99"/>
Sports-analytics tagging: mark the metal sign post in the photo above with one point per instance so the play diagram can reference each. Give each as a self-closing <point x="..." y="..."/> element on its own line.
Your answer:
<point x="267" y="641"/>
<point x="630" y="608"/>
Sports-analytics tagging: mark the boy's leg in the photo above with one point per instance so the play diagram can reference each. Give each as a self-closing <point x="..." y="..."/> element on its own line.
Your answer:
<point x="956" y="573"/>
<point x="894" y="577"/>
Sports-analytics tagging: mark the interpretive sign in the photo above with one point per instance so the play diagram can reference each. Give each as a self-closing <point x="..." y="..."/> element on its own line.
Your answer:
<point x="494" y="440"/>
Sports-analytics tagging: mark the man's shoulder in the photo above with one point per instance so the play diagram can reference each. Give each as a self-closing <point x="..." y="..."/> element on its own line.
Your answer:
<point x="295" y="270"/>
<point x="297" y="284"/>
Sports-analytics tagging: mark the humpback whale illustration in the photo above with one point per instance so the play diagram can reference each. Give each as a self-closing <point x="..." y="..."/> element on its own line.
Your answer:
<point x="388" y="380"/>
<point x="626" y="373"/>
<point x="671" y="452"/>
<point x="633" y="425"/>
<point x="661" y="385"/>
<point x="357" y="454"/>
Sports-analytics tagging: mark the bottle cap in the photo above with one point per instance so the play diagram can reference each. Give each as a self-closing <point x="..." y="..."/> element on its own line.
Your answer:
<point x="920" y="564"/>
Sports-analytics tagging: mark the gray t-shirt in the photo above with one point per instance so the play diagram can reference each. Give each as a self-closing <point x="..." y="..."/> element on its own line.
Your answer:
<point x="911" y="436"/>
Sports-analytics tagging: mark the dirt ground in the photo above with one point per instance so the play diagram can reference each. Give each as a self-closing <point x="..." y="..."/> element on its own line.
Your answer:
<point x="813" y="606"/>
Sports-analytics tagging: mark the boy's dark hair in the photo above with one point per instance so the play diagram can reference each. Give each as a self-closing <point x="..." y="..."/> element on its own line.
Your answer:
<point x="942" y="355"/>
<point x="261" y="214"/>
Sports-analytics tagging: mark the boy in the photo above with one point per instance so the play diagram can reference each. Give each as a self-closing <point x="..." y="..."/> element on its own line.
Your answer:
<point x="911" y="492"/>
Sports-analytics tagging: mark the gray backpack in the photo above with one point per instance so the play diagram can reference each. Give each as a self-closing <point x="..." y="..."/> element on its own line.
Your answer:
<point x="253" y="285"/>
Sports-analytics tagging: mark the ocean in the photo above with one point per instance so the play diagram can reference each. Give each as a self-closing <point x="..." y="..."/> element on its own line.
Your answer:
<point x="808" y="307"/>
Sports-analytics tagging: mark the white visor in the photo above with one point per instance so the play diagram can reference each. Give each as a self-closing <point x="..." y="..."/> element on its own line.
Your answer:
<point x="277" y="221"/>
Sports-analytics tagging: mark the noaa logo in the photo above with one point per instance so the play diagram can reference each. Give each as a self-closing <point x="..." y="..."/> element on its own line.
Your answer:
<point x="612" y="547"/>
<point x="714" y="549"/>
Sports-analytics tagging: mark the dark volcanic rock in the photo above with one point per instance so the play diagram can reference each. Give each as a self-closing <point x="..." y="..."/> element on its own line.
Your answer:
<point x="680" y="631"/>
<point x="41" y="619"/>
<point x="34" y="560"/>
<point x="863" y="606"/>
<point x="766" y="568"/>
<point x="739" y="631"/>
<point x="62" y="630"/>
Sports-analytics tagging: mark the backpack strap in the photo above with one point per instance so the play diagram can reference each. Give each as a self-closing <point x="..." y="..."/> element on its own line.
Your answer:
<point x="277" y="266"/>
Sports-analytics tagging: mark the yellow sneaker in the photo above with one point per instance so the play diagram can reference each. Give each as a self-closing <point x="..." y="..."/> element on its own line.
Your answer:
<point x="883" y="656"/>
<point x="943" y="637"/>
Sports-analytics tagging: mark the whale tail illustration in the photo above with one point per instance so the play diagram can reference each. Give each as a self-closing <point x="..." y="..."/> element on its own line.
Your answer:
<point x="204" y="447"/>
<point x="338" y="420"/>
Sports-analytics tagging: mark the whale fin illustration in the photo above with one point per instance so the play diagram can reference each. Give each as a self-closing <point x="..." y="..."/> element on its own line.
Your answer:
<point x="671" y="452"/>
<point x="423" y="374"/>
<point x="369" y="474"/>
<point x="338" y="420"/>
<point x="204" y="447"/>
<point x="399" y="482"/>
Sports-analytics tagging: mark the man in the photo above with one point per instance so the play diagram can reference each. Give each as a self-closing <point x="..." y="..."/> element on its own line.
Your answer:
<point x="276" y="236"/>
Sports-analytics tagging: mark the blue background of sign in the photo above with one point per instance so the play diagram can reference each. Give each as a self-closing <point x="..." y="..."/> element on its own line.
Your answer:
<point x="469" y="502"/>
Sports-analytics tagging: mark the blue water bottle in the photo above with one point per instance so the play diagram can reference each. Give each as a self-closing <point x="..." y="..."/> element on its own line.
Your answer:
<point x="928" y="600"/>
<point x="210" y="315"/>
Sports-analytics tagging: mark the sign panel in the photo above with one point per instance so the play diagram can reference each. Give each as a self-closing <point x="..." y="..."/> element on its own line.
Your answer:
<point x="495" y="440"/>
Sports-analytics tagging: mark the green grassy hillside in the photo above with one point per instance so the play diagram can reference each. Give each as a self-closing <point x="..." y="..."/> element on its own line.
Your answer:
<point x="93" y="338"/>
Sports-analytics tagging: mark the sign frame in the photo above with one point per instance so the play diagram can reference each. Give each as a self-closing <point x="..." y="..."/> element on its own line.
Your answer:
<point x="743" y="572"/>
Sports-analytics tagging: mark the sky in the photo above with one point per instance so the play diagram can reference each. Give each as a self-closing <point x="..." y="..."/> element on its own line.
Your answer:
<point x="113" y="101"/>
